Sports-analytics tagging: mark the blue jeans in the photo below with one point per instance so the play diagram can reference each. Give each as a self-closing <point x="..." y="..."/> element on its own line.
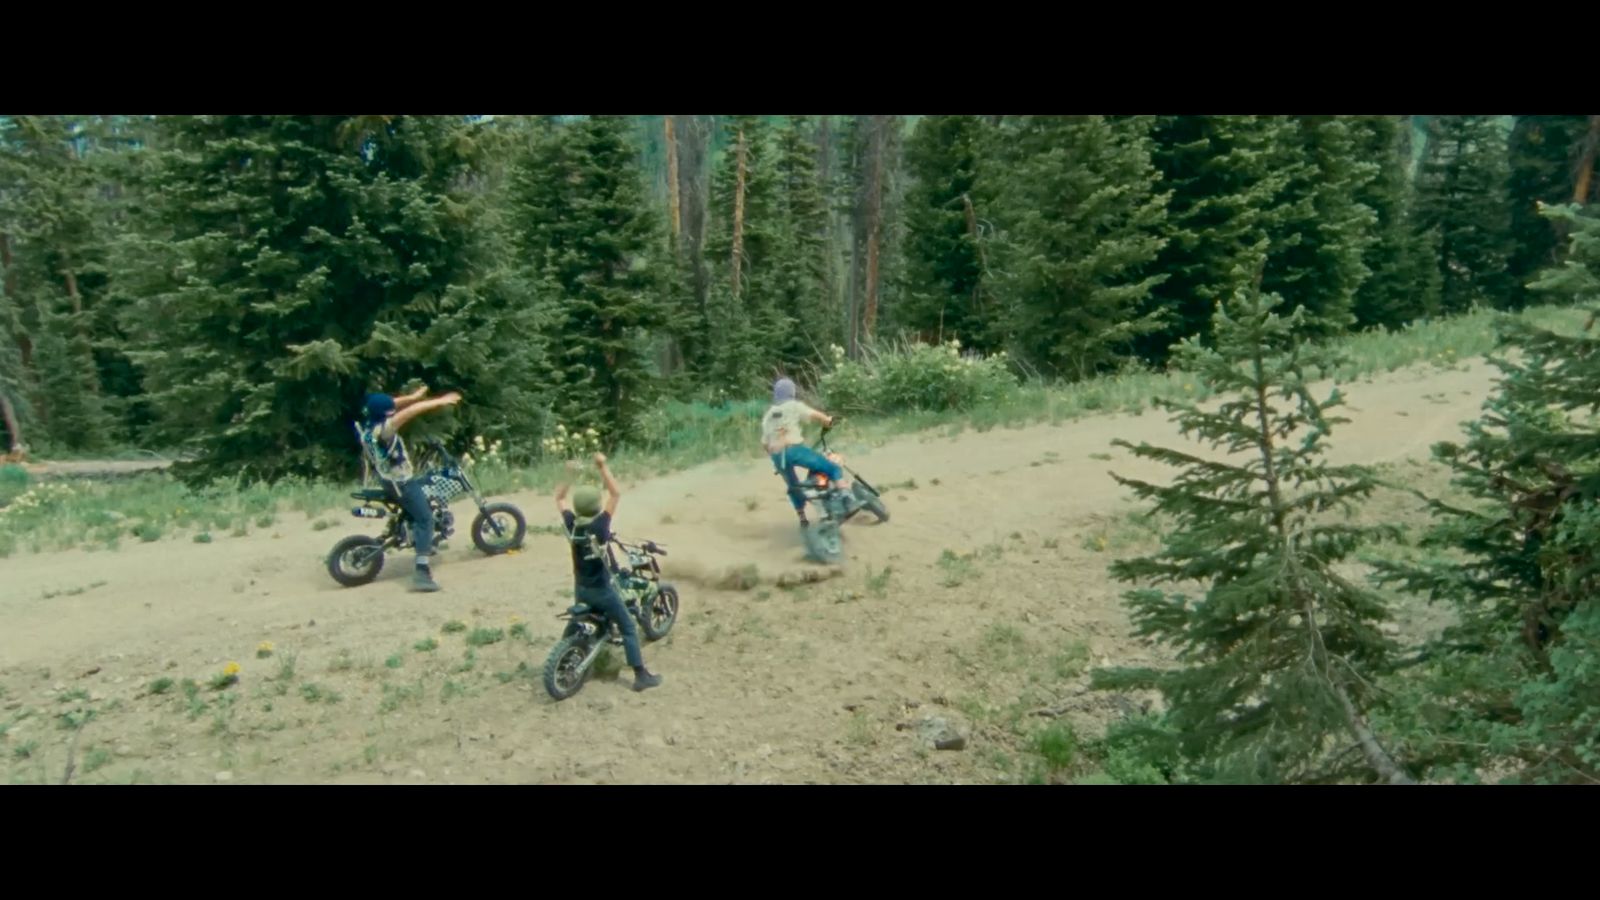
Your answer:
<point x="800" y="455"/>
<point x="416" y="505"/>
<point x="607" y="600"/>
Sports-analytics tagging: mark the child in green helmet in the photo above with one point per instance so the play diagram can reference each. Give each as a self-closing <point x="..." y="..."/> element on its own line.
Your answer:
<point x="589" y="529"/>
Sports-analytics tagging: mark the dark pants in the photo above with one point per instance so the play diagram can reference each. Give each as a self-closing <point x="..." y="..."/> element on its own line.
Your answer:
<point x="416" y="505"/>
<point x="801" y="455"/>
<point x="607" y="600"/>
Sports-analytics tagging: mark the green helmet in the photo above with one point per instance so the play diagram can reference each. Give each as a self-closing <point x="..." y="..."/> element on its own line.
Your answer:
<point x="586" y="502"/>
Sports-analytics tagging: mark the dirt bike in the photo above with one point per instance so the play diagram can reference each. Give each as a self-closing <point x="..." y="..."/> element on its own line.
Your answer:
<point x="358" y="559"/>
<point x="652" y="604"/>
<point x="823" y="541"/>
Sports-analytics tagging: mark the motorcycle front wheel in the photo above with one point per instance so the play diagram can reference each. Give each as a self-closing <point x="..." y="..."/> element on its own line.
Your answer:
<point x="509" y="522"/>
<point x="658" y="616"/>
<point x="871" y="502"/>
<point x="564" y="670"/>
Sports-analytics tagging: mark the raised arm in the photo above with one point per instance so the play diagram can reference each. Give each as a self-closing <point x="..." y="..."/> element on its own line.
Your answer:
<point x="401" y="401"/>
<point x="561" y="497"/>
<point x="613" y="492"/>
<point x="419" y="407"/>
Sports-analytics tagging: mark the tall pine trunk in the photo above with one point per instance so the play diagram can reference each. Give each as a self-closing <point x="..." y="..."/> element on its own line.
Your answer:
<point x="860" y="153"/>
<point x="72" y="292"/>
<point x="874" y="226"/>
<point x="24" y="345"/>
<point x="692" y="136"/>
<point x="13" y="430"/>
<point x="738" y="210"/>
<point x="672" y="178"/>
<point x="1586" y="159"/>
<point x="24" y="348"/>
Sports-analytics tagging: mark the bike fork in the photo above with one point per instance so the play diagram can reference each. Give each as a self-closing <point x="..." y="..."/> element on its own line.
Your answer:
<point x="593" y="652"/>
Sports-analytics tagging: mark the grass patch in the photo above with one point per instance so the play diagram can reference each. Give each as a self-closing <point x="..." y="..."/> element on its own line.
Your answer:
<point x="316" y="693"/>
<point x="1057" y="745"/>
<point x="483" y="637"/>
<point x="1071" y="661"/>
<point x="191" y="694"/>
<point x="159" y="686"/>
<point x="1004" y="645"/>
<point x="395" y="695"/>
<point x="285" y="676"/>
<point x="878" y="584"/>
<point x="222" y="716"/>
<point x="453" y="626"/>
<point x="1121" y="531"/>
<point x="955" y="570"/>
<point x="75" y="718"/>
<point x="394" y="662"/>
<point x="426" y="645"/>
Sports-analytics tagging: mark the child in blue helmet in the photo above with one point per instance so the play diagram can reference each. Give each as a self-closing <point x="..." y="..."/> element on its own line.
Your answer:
<point x="783" y="440"/>
<point x="382" y="417"/>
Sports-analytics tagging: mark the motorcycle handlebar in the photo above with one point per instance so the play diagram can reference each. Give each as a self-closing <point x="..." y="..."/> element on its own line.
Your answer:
<point x="646" y="546"/>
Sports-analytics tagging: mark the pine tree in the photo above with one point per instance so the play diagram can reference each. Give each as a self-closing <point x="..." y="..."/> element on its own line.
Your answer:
<point x="288" y="264"/>
<point x="1399" y="258"/>
<point x="1321" y="230"/>
<point x="1545" y="154"/>
<point x="49" y="217"/>
<point x="1083" y="222"/>
<point x="597" y="249"/>
<point x="946" y="292"/>
<point x="692" y="142"/>
<point x="1461" y="193"/>
<point x="1225" y="175"/>
<point x="801" y="255"/>
<point x="1512" y="685"/>
<point x="1276" y="658"/>
<point x="742" y="244"/>
<point x="871" y="177"/>
<point x="118" y="155"/>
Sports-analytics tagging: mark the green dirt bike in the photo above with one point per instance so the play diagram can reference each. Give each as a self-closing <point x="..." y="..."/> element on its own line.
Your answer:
<point x="822" y="538"/>
<point x="651" y="603"/>
<point x="498" y="527"/>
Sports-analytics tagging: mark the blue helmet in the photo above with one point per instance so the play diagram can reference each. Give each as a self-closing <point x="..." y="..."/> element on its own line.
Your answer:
<point x="376" y="408"/>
